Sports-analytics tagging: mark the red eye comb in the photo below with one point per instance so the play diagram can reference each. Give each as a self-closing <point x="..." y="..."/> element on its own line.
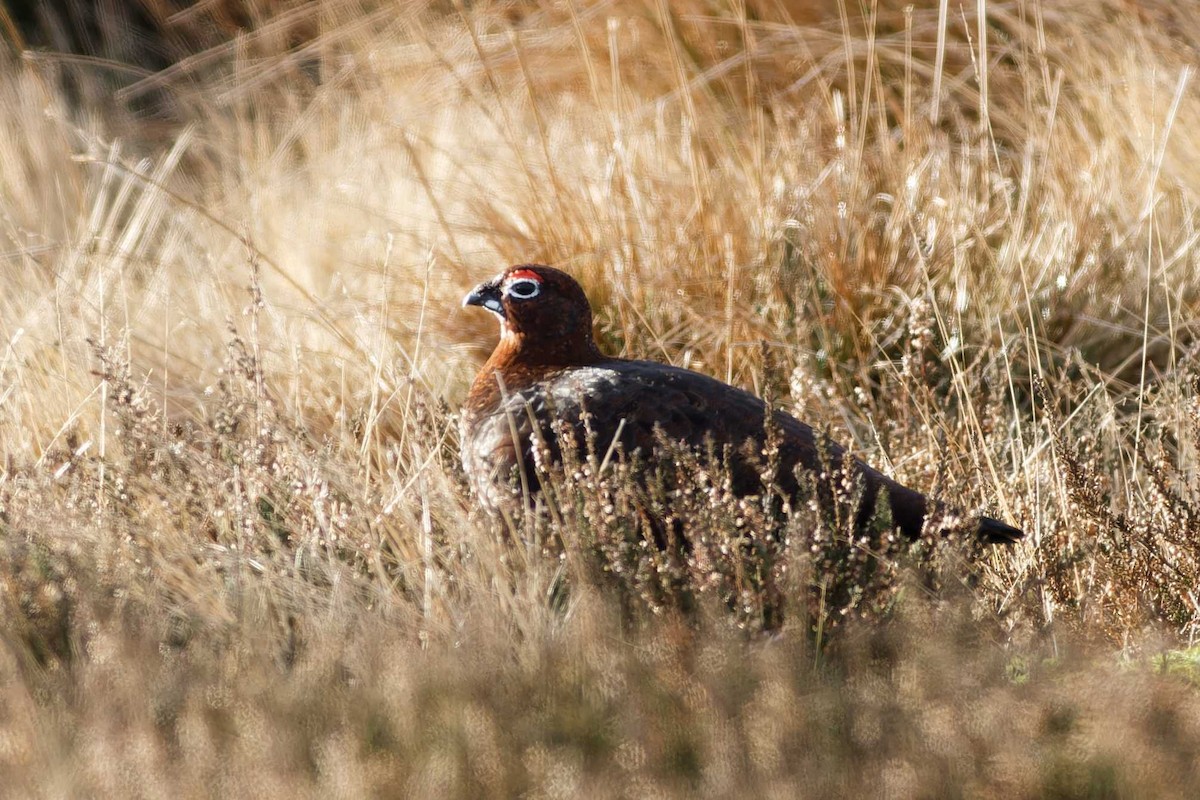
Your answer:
<point x="524" y="274"/>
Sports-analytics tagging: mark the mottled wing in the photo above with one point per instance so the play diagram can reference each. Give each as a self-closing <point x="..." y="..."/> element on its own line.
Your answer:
<point x="638" y="398"/>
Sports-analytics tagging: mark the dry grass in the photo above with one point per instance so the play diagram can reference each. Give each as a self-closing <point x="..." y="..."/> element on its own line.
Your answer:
<point x="236" y="553"/>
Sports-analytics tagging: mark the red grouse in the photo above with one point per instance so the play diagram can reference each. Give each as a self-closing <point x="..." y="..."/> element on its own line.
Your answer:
<point x="547" y="366"/>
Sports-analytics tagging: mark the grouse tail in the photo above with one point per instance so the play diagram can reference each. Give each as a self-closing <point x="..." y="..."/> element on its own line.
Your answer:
<point x="993" y="531"/>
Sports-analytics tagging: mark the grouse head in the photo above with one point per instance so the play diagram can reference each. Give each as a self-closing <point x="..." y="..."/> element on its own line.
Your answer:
<point x="545" y="318"/>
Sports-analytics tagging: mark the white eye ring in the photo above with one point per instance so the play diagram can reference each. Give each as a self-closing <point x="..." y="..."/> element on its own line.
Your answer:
<point x="524" y="288"/>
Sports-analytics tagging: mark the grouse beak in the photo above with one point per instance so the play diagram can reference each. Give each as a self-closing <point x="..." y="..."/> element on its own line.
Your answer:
<point x="486" y="295"/>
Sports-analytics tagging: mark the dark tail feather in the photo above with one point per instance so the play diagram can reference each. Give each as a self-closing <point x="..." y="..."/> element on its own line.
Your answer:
<point x="993" y="531"/>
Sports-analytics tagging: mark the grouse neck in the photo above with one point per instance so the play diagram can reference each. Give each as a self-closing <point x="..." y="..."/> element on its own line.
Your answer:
<point x="518" y="363"/>
<point x="517" y="349"/>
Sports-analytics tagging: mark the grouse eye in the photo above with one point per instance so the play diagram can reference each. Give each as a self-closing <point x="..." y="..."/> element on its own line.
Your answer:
<point x="524" y="289"/>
